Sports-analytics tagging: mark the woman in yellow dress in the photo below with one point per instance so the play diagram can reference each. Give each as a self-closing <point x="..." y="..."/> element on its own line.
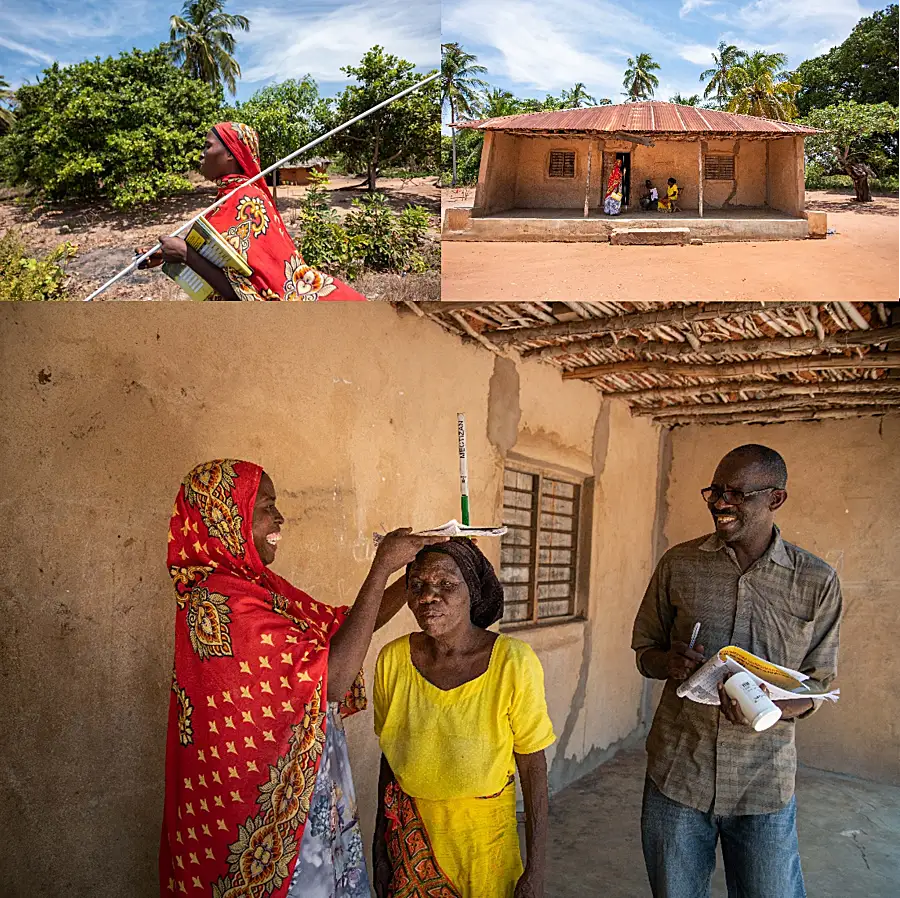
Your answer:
<point x="669" y="201"/>
<point x="457" y="710"/>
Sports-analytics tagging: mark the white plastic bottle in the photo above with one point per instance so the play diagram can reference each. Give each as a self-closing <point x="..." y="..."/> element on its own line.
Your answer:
<point x="756" y="706"/>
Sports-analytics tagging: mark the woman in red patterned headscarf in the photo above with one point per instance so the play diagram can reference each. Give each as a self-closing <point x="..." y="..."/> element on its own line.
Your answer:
<point x="259" y="800"/>
<point x="252" y="225"/>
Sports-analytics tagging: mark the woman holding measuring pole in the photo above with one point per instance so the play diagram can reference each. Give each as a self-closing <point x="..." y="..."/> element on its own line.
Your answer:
<point x="252" y="225"/>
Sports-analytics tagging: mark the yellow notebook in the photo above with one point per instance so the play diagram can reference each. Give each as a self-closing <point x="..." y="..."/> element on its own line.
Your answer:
<point x="208" y="242"/>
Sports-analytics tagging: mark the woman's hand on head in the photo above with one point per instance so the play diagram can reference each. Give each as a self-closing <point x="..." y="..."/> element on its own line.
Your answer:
<point x="399" y="548"/>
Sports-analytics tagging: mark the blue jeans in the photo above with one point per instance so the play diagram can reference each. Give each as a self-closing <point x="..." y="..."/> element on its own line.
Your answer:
<point x="760" y="850"/>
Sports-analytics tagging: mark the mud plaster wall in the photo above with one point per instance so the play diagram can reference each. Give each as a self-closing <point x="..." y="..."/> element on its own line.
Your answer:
<point x="535" y="189"/>
<point x="496" y="189"/>
<point x="112" y="408"/>
<point x="843" y="492"/>
<point x="750" y="174"/>
<point x="787" y="175"/>
<point x="593" y="688"/>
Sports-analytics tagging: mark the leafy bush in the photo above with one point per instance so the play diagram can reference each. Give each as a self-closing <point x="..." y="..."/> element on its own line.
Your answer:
<point x="325" y="243"/>
<point x="127" y="128"/>
<point x="23" y="277"/>
<point x="383" y="240"/>
<point x="372" y="236"/>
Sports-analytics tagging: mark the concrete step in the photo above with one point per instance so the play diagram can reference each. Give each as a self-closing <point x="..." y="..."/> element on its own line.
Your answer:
<point x="650" y="236"/>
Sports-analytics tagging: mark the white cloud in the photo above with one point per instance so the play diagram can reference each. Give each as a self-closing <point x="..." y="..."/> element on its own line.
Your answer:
<point x="85" y="22"/>
<point x="289" y="42"/>
<point x="547" y="47"/>
<point x="696" y="53"/>
<point x="16" y="47"/>
<point x="688" y="6"/>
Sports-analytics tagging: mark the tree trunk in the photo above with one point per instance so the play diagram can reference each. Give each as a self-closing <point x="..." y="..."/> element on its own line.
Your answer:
<point x="859" y="173"/>
<point x="453" y="141"/>
<point x="372" y="167"/>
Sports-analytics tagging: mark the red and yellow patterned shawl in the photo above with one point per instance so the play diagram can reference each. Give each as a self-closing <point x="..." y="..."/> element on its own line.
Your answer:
<point x="247" y="709"/>
<point x="615" y="179"/>
<point x="250" y="222"/>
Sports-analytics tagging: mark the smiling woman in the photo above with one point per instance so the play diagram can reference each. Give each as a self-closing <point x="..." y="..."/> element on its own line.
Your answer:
<point x="259" y="797"/>
<point x="252" y="225"/>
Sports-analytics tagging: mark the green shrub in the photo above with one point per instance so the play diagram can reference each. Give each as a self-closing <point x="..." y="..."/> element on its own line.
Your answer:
<point x="372" y="236"/>
<point x="23" y="277"/>
<point x="126" y="128"/>
<point x="383" y="240"/>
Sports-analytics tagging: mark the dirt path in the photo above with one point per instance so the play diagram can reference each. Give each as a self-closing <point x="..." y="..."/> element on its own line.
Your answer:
<point x="859" y="261"/>
<point x="105" y="237"/>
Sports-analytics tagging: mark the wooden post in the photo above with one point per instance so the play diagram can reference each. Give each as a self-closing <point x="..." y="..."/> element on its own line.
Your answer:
<point x="700" y="170"/>
<point x="587" y="186"/>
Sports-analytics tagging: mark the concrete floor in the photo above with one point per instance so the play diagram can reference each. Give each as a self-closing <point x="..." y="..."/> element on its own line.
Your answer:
<point x="672" y="219"/>
<point x="849" y="835"/>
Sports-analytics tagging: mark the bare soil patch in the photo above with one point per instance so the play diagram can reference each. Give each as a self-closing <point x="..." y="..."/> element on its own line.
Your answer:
<point x="858" y="261"/>
<point x="106" y="237"/>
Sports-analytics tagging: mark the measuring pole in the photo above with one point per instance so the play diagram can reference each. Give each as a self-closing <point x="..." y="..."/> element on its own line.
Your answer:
<point x="463" y="468"/>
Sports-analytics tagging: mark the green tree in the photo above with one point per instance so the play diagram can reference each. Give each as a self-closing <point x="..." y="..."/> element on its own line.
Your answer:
<point x="127" y="128"/>
<point x="461" y="87"/>
<point x="720" y="75"/>
<point x="407" y="132"/>
<point x="496" y="103"/>
<point x="852" y="138"/>
<point x="692" y="100"/>
<point x="578" y="97"/>
<point x="863" y="68"/>
<point x="285" y="115"/>
<point x="640" y="82"/>
<point x="760" y="86"/>
<point x="202" y="42"/>
<point x="7" y="98"/>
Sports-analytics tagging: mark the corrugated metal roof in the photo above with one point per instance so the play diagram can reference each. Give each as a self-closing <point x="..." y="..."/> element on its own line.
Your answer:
<point x="639" y="118"/>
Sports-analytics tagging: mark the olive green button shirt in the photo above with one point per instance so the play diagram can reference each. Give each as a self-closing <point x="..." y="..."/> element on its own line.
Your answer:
<point x="786" y="607"/>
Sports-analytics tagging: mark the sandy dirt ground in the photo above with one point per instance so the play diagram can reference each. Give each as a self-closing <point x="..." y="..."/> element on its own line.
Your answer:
<point x="106" y="238"/>
<point x="860" y="260"/>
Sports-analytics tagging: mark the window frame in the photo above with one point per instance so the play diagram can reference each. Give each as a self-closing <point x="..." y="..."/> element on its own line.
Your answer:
<point x="708" y="156"/>
<point x="581" y="527"/>
<point x="562" y="177"/>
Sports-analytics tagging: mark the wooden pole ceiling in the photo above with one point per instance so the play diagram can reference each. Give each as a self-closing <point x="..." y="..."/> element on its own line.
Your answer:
<point x="882" y="384"/>
<point x="633" y="321"/>
<point x="774" y="417"/>
<point x="721" y="348"/>
<point x="736" y="369"/>
<point x="844" y="400"/>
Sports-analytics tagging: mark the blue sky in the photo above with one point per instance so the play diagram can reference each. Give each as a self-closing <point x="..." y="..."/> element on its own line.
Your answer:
<point x="535" y="47"/>
<point x="287" y="38"/>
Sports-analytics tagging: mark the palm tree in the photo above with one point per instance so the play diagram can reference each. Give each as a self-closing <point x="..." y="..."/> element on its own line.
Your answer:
<point x="692" y="100"/>
<point x="760" y="86"/>
<point x="720" y="74"/>
<point x="460" y="87"/>
<point x="7" y="96"/>
<point x="640" y="82"/>
<point x="577" y="97"/>
<point x="202" y="42"/>
<point x="496" y="103"/>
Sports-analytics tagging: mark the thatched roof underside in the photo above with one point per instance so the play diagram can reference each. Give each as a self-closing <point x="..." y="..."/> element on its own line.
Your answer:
<point x="704" y="363"/>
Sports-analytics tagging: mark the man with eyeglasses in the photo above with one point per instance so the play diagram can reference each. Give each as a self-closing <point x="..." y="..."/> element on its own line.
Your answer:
<point x="709" y="774"/>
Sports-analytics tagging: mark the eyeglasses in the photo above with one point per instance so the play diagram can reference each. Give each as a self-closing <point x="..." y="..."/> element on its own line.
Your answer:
<point x="732" y="497"/>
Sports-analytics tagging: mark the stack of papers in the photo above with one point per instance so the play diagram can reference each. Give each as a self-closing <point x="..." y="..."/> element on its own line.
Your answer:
<point x="782" y="682"/>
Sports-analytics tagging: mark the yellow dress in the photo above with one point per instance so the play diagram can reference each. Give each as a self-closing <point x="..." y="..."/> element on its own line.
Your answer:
<point x="452" y="751"/>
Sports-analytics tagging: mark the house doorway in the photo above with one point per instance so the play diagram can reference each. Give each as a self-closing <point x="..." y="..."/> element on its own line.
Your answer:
<point x="625" y="159"/>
